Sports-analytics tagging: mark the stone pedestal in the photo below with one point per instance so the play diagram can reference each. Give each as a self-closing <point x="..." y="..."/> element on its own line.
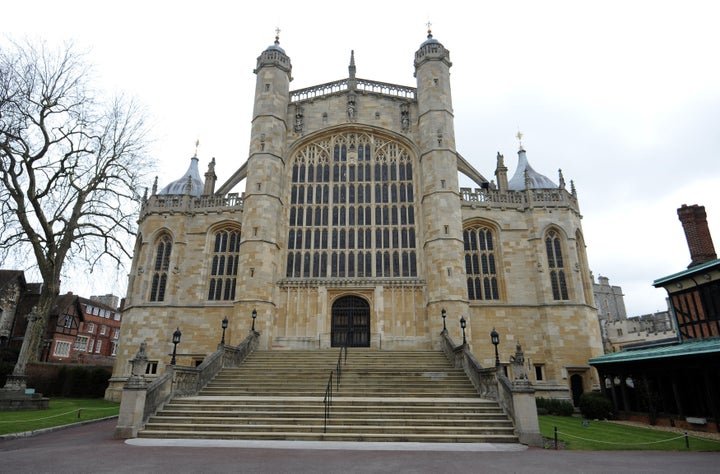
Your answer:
<point x="15" y="396"/>
<point x="132" y="408"/>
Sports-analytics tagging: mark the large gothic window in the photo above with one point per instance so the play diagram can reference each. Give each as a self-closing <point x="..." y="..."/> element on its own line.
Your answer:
<point x="482" y="280"/>
<point x="160" y="268"/>
<point x="224" y="265"/>
<point x="556" y="264"/>
<point x="352" y="209"/>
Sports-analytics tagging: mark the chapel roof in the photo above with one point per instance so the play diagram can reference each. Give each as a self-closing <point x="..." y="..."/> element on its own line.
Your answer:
<point x="537" y="180"/>
<point x="179" y="186"/>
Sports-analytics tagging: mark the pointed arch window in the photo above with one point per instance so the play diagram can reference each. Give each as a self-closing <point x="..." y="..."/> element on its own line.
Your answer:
<point x="556" y="264"/>
<point x="480" y="263"/>
<point x="224" y="265"/>
<point x="160" y="268"/>
<point x="355" y="173"/>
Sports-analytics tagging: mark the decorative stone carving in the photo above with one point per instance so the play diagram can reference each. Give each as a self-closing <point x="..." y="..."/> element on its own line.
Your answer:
<point x="138" y="367"/>
<point x="518" y="364"/>
<point x="405" y="117"/>
<point x="298" y="119"/>
<point x="351" y="108"/>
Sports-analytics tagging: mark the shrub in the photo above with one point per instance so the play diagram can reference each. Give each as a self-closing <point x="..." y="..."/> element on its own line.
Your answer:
<point x="594" y="406"/>
<point x="8" y="357"/>
<point x="75" y="381"/>
<point x="553" y="406"/>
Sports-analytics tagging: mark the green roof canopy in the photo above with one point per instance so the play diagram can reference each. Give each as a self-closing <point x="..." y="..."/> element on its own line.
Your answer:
<point x="690" y="271"/>
<point x="687" y="348"/>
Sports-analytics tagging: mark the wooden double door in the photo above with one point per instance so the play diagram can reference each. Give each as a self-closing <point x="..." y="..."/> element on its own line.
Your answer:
<point x="350" y="322"/>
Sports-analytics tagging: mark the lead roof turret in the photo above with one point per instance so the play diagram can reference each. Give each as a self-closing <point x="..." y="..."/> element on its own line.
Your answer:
<point x="525" y="176"/>
<point x="191" y="178"/>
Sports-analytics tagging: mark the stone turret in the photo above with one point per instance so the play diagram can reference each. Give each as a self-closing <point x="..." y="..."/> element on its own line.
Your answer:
<point x="441" y="202"/>
<point x="262" y="219"/>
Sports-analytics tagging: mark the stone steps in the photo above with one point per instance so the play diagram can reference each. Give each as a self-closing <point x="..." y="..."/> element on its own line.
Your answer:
<point x="383" y="396"/>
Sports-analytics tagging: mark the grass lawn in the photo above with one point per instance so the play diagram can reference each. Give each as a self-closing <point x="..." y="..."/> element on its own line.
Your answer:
<point x="62" y="411"/>
<point x="604" y="435"/>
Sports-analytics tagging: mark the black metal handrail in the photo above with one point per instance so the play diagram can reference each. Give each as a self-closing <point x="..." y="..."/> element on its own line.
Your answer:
<point x="338" y="366"/>
<point x="327" y="401"/>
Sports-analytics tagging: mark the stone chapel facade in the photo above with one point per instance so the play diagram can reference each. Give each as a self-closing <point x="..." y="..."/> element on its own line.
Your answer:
<point x="352" y="228"/>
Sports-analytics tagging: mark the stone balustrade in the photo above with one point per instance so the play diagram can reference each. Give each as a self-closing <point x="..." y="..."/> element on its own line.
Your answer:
<point x="362" y="85"/>
<point x="493" y="198"/>
<point x="517" y="398"/>
<point x="160" y="203"/>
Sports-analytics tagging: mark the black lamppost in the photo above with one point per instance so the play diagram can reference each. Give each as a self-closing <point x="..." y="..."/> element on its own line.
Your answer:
<point x="462" y="325"/>
<point x="254" y="315"/>
<point x="443" y="313"/>
<point x="176" y="341"/>
<point x="224" y="326"/>
<point x="495" y="338"/>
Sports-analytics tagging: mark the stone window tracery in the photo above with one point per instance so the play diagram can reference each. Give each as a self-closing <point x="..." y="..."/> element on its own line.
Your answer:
<point x="333" y="232"/>
<point x="480" y="263"/>
<point x="161" y="266"/>
<point x="556" y="264"/>
<point x="224" y="265"/>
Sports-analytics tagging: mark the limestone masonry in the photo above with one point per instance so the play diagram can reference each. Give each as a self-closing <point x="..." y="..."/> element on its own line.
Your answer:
<point x="353" y="228"/>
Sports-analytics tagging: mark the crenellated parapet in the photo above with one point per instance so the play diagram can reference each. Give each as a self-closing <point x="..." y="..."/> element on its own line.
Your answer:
<point x="529" y="198"/>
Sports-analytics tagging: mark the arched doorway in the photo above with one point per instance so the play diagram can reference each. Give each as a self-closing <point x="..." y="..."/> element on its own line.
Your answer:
<point x="350" y="322"/>
<point x="576" y="386"/>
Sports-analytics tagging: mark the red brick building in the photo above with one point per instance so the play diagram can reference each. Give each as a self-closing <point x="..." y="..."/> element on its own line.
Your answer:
<point x="79" y="330"/>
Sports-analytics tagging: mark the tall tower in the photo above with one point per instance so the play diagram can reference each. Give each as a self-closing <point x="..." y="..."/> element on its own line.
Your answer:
<point x="259" y="249"/>
<point x="442" y="218"/>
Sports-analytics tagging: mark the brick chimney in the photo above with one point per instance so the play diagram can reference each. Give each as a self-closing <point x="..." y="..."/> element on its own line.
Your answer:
<point x="697" y="233"/>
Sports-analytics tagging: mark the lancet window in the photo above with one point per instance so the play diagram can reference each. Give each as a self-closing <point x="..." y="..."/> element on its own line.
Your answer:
<point x="160" y="268"/>
<point x="480" y="263"/>
<point x="224" y="265"/>
<point x="556" y="265"/>
<point x="352" y="209"/>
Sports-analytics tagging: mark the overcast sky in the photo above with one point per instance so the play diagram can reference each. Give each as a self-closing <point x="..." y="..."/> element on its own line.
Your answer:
<point x="624" y="96"/>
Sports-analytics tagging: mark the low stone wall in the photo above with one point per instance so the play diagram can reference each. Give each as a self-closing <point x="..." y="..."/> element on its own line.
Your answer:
<point x="19" y="401"/>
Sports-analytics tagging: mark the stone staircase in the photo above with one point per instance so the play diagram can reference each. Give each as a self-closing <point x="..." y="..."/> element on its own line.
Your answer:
<point x="383" y="396"/>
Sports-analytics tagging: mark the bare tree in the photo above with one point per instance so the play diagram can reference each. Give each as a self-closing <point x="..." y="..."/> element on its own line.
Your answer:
<point x="70" y="165"/>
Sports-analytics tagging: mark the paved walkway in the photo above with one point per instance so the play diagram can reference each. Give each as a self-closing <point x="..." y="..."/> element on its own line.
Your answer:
<point x="90" y="448"/>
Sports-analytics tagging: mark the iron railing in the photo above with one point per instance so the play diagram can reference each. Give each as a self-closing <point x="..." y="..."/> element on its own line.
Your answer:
<point x="327" y="401"/>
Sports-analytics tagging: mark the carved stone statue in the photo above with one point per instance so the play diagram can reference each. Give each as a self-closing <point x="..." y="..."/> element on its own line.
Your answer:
<point x="298" y="119"/>
<point x="139" y="363"/>
<point x="405" y="117"/>
<point x="518" y="364"/>
<point x="351" y="108"/>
